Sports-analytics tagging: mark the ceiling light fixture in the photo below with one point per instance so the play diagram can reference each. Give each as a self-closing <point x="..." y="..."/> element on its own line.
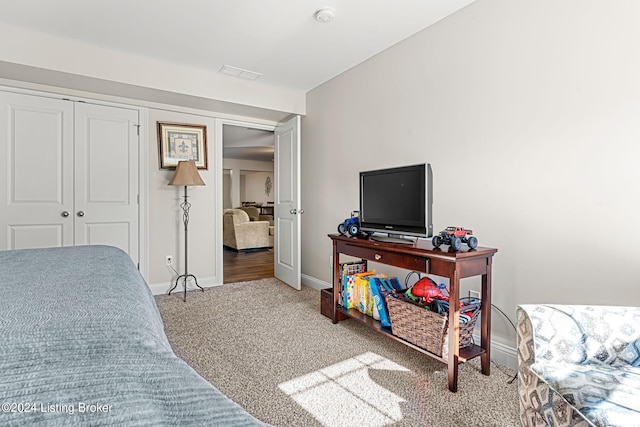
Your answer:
<point x="325" y="14"/>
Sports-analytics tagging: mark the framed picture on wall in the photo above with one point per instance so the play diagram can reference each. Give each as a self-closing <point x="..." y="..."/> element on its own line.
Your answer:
<point x="180" y="141"/>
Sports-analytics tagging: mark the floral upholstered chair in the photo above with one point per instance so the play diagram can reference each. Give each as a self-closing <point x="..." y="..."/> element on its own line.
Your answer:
<point x="579" y="365"/>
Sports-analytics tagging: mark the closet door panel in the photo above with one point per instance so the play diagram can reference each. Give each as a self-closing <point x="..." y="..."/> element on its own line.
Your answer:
<point x="106" y="166"/>
<point x="36" y="185"/>
<point x="35" y="235"/>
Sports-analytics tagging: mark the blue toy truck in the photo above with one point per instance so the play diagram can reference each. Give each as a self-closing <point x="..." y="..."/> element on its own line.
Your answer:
<point x="351" y="225"/>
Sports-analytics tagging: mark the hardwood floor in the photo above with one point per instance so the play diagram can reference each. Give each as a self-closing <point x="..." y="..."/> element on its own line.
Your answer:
<point x="243" y="266"/>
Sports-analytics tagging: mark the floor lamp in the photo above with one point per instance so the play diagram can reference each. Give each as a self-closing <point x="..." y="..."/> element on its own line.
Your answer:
<point x="186" y="175"/>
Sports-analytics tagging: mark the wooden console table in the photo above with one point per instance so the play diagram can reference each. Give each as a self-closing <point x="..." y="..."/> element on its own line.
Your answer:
<point x="421" y="256"/>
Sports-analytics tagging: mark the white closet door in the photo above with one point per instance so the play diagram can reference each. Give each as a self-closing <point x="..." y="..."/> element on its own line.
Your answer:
<point x="106" y="167"/>
<point x="36" y="167"/>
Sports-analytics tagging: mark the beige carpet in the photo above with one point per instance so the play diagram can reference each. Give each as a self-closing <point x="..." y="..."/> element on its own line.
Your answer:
<point x="268" y="348"/>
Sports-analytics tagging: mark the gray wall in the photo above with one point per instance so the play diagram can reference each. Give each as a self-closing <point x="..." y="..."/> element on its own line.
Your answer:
<point x="529" y="113"/>
<point x="166" y="229"/>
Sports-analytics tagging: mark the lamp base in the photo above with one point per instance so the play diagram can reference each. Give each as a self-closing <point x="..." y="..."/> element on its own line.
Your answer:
<point x="185" y="277"/>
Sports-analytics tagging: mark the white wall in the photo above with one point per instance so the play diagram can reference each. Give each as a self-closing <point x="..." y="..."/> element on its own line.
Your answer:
<point x="529" y="113"/>
<point x="226" y="190"/>
<point x="76" y="57"/>
<point x="254" y="187"/>
<point x="237" y="179"/>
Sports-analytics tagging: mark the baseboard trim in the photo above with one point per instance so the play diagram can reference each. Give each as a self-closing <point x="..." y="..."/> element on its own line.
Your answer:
<point x="163" y="288"/>
<point x="501" y="354"/>
<point x="314" y="283"/>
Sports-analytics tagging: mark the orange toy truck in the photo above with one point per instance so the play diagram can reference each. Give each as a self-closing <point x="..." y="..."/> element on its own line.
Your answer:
<point x="455" y="237"/>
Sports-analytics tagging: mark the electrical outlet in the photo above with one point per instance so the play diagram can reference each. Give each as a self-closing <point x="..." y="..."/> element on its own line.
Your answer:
<point x="169" y="260"/>
<point x="331" y="261"/>
<point x="474" y="294"/>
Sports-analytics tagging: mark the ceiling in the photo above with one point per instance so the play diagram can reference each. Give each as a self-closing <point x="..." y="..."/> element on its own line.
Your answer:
<point x="243" y="143"/>
<point x="278" y="38"/>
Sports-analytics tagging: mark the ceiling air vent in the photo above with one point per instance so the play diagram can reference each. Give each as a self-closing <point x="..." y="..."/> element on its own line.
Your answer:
<point x="239" y="72"/>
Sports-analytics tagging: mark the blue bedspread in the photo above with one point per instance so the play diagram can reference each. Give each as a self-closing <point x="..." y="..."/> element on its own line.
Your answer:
<point x="82" y="343"/>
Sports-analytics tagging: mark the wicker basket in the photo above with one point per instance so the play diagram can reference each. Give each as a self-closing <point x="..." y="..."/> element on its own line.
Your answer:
<point x="425" y="328"/>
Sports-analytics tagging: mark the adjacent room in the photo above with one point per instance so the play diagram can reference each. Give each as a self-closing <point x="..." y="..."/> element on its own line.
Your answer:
<point x="301" y="213"/>
<point x="249" y="236"/>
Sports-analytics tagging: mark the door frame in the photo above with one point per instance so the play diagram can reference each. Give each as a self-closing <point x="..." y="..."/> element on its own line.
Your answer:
<point x="219" y="166"/>
<point x="143" y="163"/>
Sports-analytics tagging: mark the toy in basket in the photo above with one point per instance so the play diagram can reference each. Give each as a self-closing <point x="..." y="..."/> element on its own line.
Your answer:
<point x="425" y="292"/>
<point x="428" y="326"/>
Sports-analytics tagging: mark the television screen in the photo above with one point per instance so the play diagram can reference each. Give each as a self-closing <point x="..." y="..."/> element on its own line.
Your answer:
<point x="397" y="201"/>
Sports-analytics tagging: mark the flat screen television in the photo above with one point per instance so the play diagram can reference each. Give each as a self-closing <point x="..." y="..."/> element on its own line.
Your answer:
<point x="397" y="202"/>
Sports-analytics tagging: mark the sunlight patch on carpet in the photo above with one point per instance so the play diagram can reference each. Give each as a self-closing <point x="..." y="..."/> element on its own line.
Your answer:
<point x="344" y="391"/>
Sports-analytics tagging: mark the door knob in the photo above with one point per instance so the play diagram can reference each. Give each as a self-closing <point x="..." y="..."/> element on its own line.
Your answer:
<point x="64" y="214"/>
<point x="80" y="213"/>
<point x="295" y="211"/>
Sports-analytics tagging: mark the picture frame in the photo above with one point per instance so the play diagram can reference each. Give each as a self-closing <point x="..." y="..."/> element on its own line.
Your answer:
<point x="182" y="141"/>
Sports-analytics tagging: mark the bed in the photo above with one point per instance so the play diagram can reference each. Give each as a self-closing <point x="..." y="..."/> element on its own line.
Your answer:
<point x="82" y="343"/>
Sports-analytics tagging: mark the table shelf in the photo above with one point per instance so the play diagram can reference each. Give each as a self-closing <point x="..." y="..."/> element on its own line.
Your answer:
<point x="466" y="353"/>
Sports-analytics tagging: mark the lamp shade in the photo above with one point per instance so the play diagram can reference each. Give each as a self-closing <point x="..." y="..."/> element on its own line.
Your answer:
<point x="186" y="174"/>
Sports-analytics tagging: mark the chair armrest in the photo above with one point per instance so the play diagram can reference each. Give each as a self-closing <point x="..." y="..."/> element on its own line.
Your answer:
<point x="606" y="335"/>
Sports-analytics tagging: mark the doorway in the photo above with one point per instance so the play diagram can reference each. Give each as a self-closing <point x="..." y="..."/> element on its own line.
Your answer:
<point x="248" y="180"/>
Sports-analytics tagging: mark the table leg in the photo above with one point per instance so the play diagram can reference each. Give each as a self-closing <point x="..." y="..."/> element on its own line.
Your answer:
<point x="485" y="321"/>
<point x="336" y="282"/>
<point x="454" y="330"/>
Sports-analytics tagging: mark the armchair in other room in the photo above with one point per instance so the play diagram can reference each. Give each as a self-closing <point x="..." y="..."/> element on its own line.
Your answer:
<point x="240" y="233"/>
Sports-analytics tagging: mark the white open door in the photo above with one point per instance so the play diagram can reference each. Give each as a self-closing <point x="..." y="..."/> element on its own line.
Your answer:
<point x="287" y="203"/>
